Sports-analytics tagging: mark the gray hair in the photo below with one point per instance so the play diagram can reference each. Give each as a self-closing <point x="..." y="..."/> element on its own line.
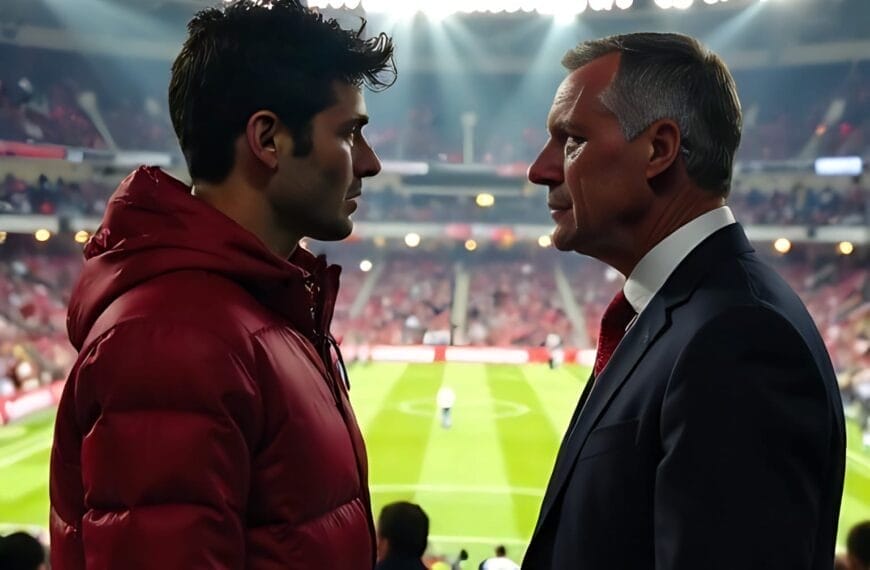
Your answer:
<point x="672" y="76"/>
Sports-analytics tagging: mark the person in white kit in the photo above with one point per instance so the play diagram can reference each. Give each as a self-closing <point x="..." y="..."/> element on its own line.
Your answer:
<point x="500" y="561"/>
<point x="445" y="400"/>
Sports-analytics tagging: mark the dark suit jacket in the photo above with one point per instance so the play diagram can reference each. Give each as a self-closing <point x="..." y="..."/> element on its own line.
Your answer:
<point x="714" y="439"/>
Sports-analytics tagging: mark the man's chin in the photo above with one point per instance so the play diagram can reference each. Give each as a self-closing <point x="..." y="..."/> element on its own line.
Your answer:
<point x="564" y="240"/>
<point x="334" y="232"/>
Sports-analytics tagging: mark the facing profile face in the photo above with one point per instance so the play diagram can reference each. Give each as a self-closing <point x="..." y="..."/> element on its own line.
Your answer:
<point x="315" y="194"/>
<point x="596" y="178"/>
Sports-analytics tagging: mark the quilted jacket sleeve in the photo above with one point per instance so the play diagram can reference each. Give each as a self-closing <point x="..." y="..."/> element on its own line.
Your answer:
<point x="169" y="416"/>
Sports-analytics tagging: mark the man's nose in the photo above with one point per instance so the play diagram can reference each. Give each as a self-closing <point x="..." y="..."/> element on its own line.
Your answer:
<point x="366" y="163"/>
<point x="547" y="169"/>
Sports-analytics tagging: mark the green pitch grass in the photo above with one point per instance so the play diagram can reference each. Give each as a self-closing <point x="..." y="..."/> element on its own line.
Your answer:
<point x="481" y="482"/>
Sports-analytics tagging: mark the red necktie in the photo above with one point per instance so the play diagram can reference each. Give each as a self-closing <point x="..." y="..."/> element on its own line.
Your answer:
<point x="616" y="317"/>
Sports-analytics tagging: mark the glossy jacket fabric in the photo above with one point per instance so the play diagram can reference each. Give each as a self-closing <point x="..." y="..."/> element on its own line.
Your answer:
<point x="714" y="439"/>
<point x="204" y="424"/>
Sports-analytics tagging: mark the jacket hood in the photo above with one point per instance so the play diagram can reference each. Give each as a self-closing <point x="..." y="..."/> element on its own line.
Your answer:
<point x="154" y="226"/>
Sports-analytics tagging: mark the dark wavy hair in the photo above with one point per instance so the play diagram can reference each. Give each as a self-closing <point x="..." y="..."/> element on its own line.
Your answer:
<point x="251" y="55"/>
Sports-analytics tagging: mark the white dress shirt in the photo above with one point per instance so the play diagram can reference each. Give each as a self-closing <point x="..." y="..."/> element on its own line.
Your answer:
<point x="656" y="266"/>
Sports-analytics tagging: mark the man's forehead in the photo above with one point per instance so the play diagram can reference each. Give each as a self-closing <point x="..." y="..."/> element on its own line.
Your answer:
<point x="581" y="89"/>
<point x="349" y="96"/>
<point x="348" y="103"/>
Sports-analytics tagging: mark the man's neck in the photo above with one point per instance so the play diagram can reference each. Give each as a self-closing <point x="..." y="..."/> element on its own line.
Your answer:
<point x="663" y="219"/>
<point x="247" y="208"/>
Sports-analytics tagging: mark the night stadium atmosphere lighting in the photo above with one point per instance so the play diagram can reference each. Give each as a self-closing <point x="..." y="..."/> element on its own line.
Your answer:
<point x="545" y="241"/>
<point x="365" y="265"/>
<point x="563" y="12"/>
<point x="782" y="245"/>
<point x="42" y="235"/>
<point x="839" y="166"/>
<point x="485" y="200"/>
<point x="470" y="245"/>
<point x="412" y="239"/>
<point x="82" y="236"/>
<point x="380" y="241"/>
<point x="845" y="247"/>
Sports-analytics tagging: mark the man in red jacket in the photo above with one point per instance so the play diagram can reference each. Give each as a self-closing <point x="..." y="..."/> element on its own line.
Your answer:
<point x="204" y="424"/>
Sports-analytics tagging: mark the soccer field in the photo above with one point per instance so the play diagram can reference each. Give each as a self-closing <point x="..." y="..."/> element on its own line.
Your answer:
<point x="481" y="482"/>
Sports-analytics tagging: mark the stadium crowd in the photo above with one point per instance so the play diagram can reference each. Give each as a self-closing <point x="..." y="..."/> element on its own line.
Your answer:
<point x="61" y="97"/>
<point x="513" y="300"/>
<point x="798" y="205"/>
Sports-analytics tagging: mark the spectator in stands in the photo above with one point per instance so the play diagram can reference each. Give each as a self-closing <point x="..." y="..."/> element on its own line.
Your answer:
<point x="206" y="396"/>
<point x="643" y="133"/>
<point x="858" y="546"/>
<point x="500" y="561"/>
<point x="20" y="551"/>
<point x="403" y="532"/>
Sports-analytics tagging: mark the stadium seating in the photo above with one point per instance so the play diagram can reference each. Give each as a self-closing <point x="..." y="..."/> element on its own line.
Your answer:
<point x="512" y="300"/>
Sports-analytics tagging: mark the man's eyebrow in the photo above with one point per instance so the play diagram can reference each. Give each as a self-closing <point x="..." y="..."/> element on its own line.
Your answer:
<point x="567" y="125"/>
<point x="358" y="122"/>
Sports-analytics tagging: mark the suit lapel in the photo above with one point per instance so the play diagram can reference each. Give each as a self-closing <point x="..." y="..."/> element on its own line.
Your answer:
<point x="633" y="346"/>
<point x="648" y="328"/>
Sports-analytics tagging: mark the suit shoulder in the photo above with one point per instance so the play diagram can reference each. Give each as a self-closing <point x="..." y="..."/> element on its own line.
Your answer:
<point x="745" y="281"/>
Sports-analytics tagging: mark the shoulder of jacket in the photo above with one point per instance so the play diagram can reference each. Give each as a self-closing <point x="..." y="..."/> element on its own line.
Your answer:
<point x="200" y="298"/>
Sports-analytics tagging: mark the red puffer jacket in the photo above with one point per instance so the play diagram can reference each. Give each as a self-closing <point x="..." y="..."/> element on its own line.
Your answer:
<point x="203" y="425"/>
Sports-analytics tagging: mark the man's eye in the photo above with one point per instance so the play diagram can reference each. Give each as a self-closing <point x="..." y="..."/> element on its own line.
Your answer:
<point x="572" y="140"/>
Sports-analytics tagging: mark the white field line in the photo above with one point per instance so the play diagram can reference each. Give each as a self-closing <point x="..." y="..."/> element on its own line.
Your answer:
<point x="24" y="443"/>
<point x="859" y="459"/>
<point x="13" y="458"/>
<point x="493" y="540"/>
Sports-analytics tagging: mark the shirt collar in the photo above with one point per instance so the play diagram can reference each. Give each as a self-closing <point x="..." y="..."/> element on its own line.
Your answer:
<point x="656" y="266"/>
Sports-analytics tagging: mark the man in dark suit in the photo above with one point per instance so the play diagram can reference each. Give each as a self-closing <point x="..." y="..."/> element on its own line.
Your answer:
<point x="711" y="434"/>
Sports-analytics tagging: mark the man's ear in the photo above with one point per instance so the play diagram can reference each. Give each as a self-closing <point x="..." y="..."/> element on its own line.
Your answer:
<point x="664" y="146"/>
<point x="261" y="134"/>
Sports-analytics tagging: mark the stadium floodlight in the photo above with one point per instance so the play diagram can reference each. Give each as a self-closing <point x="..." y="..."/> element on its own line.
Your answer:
<point x="512" y="6"/>
<point x="782" y="246"/>
<point x="412" y="239"/>
<point x="336" y="4"/>
<point x="564" y="13"/>
<point x="2" y="237"/>
<point x="599" y="5"/>
<point x="438" y="11"/>
<point x="683" y="4"/>
<point x="399" y="9"/>
<point x="839" y="166"/>
<point x="470" y="245"/>
<point x="485" y="200"/>
<point x="365" y="265"/>
<point x="845" y="247"/>
<point x="545" y="241"/>
<point x="42" y="235"/>
<point x="665" y="4"/>
<point x="624" y="4"/>
<point x="82" y="236"/>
